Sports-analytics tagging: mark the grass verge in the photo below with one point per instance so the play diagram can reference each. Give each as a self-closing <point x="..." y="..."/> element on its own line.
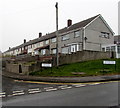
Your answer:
<point x="87" y="68"/>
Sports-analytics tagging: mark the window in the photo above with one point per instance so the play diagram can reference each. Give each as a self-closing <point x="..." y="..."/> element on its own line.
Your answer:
<point x="113" y="48"/>
<point x="118" y="48"/>
<point x="104" y="35"/>
<point x="43" y="51"/>
<point x="53" y="51"/>
<point x="65" y="50"/>
<point x="47" y="42"/>
<point x="65" y="37"/>
<point x="107" y="48"/>
<point x="73" y="48"/>
<point x="29" y="47"/>
<point x="53" y="40"/>
<point x="77" y="34"/>
<point x="41" y="44"/>
<point x="103" y="49"/>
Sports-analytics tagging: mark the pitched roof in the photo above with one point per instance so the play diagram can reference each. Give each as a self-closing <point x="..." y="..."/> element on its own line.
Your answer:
<point x="53" y="34"/>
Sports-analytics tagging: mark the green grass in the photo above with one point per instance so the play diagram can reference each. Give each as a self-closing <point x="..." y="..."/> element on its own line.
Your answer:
<point x="90" y="68"/>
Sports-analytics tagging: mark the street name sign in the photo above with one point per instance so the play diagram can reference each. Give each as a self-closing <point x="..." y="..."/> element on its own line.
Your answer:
<point x="109" y="62"/>
<point x="46" y="65"/>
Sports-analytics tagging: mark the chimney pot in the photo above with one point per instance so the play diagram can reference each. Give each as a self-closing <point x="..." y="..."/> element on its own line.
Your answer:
<point x="24" y="40"/>
<point x="40" y="34"/>
<point x="69" y="22"/>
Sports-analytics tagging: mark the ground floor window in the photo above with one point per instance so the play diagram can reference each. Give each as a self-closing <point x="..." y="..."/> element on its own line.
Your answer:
<point x="53" y="51"/>
<point x="118" y="48"/>
<point x="43" y="51"/>
<point x="65" y="50"/>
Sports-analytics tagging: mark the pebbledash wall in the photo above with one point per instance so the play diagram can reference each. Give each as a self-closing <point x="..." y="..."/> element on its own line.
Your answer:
<point x="84" y="56"/>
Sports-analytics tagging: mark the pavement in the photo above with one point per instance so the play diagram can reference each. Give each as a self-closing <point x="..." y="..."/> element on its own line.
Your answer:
<point x="62" y="79"/>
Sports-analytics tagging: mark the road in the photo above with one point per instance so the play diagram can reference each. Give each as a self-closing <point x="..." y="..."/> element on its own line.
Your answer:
<point x="88" y="94"/>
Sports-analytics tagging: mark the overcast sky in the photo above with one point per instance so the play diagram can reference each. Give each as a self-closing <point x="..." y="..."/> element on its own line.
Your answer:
<point x="24" y="19"/>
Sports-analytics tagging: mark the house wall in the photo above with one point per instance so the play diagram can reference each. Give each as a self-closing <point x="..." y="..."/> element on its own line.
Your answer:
<point x="93" y="33"/>
<point x="71" y="40"/>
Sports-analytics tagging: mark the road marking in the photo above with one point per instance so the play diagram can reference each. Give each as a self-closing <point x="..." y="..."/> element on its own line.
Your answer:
<point x="20" y="92"/>
<point x="94" y="84"/>
<point x="15" y="94"/>
<point x="17" y="91"/>
<point x="64" y="87"/>
<point x="2" y="94"/>
<point x="54" y="89"/>
<point x="35" y="89"/>
<point x="79" y="85"/>
<point x="60" y="83"/>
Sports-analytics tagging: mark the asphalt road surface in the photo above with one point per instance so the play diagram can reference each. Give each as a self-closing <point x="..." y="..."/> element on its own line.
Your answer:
<point x="89" y="94"/>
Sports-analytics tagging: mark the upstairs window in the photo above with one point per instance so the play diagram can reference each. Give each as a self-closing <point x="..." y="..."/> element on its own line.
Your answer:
<point x="53" y="40"/>
<point x="104" y="35"/>
<point x="77" y="34"/>
<point x="47" y="42"/>
<point x="65" y="37"/>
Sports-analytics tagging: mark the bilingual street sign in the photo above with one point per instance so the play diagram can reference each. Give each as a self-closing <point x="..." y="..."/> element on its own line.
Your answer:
<point x="109" y="62"/>
<point x="46" y="65"/>
<point x="106" y="62"/>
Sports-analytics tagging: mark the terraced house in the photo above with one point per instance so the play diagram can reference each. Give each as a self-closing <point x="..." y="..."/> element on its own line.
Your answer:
<point x="90" y="34"/>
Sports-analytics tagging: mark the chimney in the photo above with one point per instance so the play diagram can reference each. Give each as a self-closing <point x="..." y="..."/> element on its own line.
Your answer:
<point x="24" y="40"/>
<point x="40" y="34"/>
<point x="69" y="22"/>
<point x="9" y="48"/>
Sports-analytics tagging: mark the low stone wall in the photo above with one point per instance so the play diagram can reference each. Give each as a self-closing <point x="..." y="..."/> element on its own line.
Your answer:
<point x="23" y="69"/>
<point x="83" y="56"/>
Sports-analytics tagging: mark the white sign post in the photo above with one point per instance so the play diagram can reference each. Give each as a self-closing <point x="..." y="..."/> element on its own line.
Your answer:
<point x="109" y="63"/>
<point x="47" y="65"/>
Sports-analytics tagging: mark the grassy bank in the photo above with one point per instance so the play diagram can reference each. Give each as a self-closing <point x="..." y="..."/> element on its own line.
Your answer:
<point x="88" y="68"/>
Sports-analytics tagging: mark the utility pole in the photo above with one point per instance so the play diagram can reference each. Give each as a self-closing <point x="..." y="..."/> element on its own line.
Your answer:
<point x="57" y="53"/>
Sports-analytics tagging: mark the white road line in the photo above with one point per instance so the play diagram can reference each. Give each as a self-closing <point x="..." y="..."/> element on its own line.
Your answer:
<point x="35" y="89"/>
<point x="54" y="89"/>
<point x="94" y="84"/>
<point x="17" y="91"/>
<point x="2" y="93"/>
<point x="79" y="85"/>
<point x="2" y="96"/>
<point x="15" y="94"/>
<point x="66" y="87"/>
